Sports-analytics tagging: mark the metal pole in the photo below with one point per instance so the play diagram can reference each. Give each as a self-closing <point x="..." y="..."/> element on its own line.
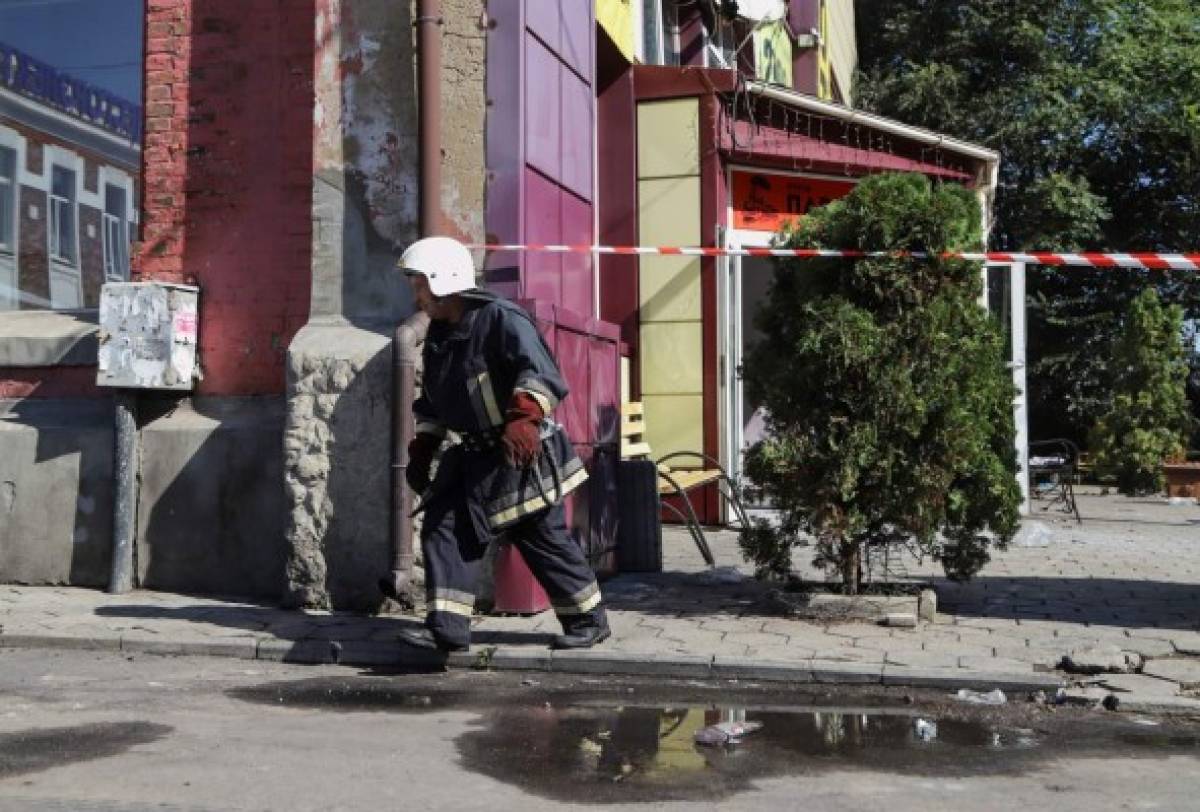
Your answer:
<point x="1021" y="402"/>
<point x="125" y="492"/>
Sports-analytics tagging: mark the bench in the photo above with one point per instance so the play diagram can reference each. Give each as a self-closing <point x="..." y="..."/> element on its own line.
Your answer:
<point x="678" y="479"/>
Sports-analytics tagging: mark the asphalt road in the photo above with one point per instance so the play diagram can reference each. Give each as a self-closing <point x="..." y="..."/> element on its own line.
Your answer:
<point x="82" y="730"/>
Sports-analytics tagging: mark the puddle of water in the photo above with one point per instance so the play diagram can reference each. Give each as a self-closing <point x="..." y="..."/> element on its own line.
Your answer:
<point x="650" y="754"/>
<point x="584" y="746"/>
<point x="29" y="751"/>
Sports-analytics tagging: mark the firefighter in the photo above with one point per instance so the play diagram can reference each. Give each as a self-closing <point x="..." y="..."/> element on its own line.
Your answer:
<point x="489" y="389"/>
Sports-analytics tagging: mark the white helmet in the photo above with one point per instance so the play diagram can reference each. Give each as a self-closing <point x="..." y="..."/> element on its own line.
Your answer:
<point x="445" y="262"/>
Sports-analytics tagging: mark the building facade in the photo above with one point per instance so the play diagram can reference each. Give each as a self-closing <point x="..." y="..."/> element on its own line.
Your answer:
<point x="69" y="162"/>
<point x="282" y="173"/>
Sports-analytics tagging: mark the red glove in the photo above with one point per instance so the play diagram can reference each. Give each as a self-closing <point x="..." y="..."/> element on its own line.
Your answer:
<point x="420" y="459"/>
<point x="522" y="439"/>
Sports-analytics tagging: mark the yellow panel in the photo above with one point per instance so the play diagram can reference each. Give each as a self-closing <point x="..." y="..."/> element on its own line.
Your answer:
<point x="668" y="138"/>
<point x="672" y="358"/>
<point x="669" y="211"/>
<point x="669" y="289"/>
<point x="616" y="18"/>
<point x="674" y="423"/>
<point x="773" y="54"/>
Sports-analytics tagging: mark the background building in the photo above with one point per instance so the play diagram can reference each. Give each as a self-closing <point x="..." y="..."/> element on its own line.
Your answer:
<point x="283" y="171"/>
<point x="69" y="161"/>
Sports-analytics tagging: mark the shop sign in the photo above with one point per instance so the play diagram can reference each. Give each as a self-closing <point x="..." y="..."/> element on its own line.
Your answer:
<point x="766" y="202"/>
<point x="36" y="80"/>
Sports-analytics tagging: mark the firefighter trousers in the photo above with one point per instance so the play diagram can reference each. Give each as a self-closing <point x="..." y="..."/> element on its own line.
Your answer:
<point x="452" y="561"/>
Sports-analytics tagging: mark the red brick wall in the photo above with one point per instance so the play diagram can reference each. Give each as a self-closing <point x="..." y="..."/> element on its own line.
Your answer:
<point x="91" y="255"/>
<point x="33" y="265"/>
<point x="227" y="171"/>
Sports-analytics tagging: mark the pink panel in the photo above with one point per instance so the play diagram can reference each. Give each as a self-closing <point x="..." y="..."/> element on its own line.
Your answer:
<point x="605" y="388"/>
<point x="543" y="101"/>
<point x="542" y="18"/>
<point x="549" y="332"/>
<point x="577" y="132"/>
<point x="573" y="359"/>
<point x="543" y="224"/>
<point x="578" y="290"/>
<point x="577" y="37"/>
<point x="503" y="141"/>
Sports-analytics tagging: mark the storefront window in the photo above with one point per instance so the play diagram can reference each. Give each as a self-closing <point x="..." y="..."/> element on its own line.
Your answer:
<point x="70" y="149"/>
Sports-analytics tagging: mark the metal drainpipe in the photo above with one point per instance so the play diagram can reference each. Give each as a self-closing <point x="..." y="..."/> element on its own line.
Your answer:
<point x="397" y="584"/>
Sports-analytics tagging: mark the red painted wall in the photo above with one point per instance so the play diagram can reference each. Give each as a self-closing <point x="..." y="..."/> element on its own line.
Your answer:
<point x="227" y="166"/>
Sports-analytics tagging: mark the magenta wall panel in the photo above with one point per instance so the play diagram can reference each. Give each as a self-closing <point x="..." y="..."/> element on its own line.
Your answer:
<point x="605" y="364"/>
<point x="540" y="140"/>
<point x="577" y="103"/>
<point x="578" y="291"/>
<point x="543" y="224"/>
<point x="544" y="18"/>
<point x="578" y="34"/>
<point x="574" y="360"/>
<point x="543" y="109"/>
<point x="503" y="141"/>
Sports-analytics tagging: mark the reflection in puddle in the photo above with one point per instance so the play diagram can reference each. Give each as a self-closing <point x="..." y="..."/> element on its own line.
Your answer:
<point x="649" y="754"/>
<point x="570" y="746"/>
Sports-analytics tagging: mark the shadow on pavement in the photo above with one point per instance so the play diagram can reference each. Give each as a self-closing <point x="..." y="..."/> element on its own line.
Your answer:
<point x="306" y="628"/>
<point x="1094" y="601"/>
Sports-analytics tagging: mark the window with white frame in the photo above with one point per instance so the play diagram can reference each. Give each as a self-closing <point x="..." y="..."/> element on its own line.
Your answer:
<point x="116" y="234"/>
<point x="8" y="200"/>
<point x="660" y="32"/>
<point x="62" y="224"/>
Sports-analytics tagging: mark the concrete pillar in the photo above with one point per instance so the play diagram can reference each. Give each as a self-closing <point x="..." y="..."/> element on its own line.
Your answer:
<point x="336" y="440"/>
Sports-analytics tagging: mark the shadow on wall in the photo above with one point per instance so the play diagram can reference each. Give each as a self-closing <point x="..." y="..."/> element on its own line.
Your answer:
<point x="56" y="451"/>
<point x="356" y="546"/>
<point x="338" y="433"/>
<point x="211" y="510"/>
<point x="211" y="497"/>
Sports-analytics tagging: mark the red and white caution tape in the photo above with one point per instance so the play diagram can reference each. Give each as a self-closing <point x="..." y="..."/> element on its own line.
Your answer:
<point x="1158" y="262"/>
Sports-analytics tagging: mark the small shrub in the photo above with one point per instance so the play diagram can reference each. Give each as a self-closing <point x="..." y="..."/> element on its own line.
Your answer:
<point x="768" y="548"/>
<point x="1149" y="418"/>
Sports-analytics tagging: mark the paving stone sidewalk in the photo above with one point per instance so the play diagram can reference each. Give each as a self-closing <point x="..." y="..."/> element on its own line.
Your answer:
<point x="1128" y="579"/>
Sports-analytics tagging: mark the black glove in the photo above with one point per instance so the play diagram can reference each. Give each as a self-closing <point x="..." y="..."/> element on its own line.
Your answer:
<point x="420" y="460"/>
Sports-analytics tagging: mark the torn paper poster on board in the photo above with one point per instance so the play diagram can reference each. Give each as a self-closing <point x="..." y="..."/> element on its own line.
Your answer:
<point x="149" y="332"/>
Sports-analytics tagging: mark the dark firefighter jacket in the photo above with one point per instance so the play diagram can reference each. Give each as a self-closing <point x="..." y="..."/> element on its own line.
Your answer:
<point x="472" y="369"/>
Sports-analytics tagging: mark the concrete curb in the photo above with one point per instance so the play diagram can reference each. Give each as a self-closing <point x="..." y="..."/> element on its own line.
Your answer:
<point x="1159" y="705"/>
<point x="370" y="653"/>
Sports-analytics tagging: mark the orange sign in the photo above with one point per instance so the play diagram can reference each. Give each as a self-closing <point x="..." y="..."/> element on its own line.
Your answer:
<point x="763" y="202"/>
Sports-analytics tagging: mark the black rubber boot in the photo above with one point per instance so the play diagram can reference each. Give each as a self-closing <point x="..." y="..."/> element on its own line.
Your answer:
<point x="583" y="637"/>
<point x="425" y="639"/>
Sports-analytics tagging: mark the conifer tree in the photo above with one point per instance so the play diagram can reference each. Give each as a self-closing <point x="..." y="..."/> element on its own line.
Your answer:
<point x="888" y="402"/>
